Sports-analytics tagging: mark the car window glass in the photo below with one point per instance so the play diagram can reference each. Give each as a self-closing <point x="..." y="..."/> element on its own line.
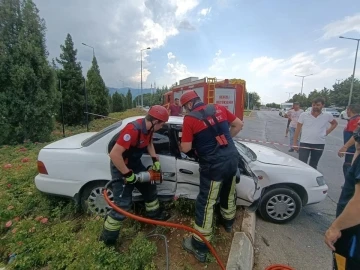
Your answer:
<point x="100" y="134"/>
<point x="161" y="141"/>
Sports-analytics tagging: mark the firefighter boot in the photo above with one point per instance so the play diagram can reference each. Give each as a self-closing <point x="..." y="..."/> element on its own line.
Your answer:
<point x="110" y="232"/>
<point x="159" y="214"/>
<point x="187" y="244"/>
<point x="227" y="224"/>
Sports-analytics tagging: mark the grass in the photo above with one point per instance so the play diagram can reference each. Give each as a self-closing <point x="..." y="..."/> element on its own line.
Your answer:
<point x="44" y="232"/>
<point x="247" y="112"/>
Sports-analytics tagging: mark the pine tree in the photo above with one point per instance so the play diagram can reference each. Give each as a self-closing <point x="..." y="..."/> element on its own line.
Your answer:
<point x="72" y="84"/>
<point x="129" y="102"/>
<point x="97" y="90"/>
<point x="110" y="103"/>
<point x="118" y="102"/>
<point x="27" y="80"/>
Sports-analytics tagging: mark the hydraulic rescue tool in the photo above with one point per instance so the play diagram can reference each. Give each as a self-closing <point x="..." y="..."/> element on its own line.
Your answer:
<point x="156" y="177"/>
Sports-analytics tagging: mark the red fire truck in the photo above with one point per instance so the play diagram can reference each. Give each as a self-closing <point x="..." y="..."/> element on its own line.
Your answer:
<point x="229" y="92"/>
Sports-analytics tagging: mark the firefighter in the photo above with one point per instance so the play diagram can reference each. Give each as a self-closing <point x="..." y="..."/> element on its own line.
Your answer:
<point x="208" y="130"/>
<point x="125" y="155"/>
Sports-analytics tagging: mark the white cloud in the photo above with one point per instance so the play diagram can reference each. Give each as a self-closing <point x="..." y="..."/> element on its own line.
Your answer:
<point x="117" y="31"/>
<point x="170" y="55"/>
<point x="262" y="66"/>
<point x="341" y="27"/>
<point x="220" y="63"/>
<point x="333" y="53"/>
<point x="205" y="11"/>
<point x="175" y="69"/>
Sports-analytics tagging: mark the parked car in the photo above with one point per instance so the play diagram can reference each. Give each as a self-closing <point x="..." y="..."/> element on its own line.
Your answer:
<point x="344" y="115"/>
<point x="333" y="111"/>
<point x="275" y="183"/>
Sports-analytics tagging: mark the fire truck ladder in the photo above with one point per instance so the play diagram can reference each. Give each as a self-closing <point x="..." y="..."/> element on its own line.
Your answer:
<point x="211" y="91"/>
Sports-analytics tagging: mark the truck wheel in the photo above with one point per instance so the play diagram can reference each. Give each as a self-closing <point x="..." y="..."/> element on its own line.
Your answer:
<point x="280" y="205"/>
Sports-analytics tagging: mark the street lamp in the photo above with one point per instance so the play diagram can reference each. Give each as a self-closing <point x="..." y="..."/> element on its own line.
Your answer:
<point x="90" y="47"/>
<point x="353" y="75"/>
<point x="142" y="100"/>
<point x="302" y="84"/>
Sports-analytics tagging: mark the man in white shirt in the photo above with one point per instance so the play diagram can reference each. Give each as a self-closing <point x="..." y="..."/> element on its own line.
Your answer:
<point x="314" y="129"/>
<point x="293" y="116"/>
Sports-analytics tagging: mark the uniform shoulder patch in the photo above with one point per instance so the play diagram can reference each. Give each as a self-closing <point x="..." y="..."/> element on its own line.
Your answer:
<point x="127" y="137"/>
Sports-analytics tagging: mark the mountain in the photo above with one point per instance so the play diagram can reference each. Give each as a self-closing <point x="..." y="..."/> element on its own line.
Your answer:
<point x="134" y="91"/>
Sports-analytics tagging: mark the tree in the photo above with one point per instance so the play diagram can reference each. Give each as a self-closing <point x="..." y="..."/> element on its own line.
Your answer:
<point x="301" y="98"/>
<point x="110" y="103"/>
<point x="98" y="92"/>
<point x="253" y="98"/>
<point x="27" y="97"/>
<point x="72" y="83"/>
<point x="129" y="103"/>
<point x="118" y="102"/>
<point x="340" y="93"/>
<point x="273" y="105"/>
<point x="324" y="93"/>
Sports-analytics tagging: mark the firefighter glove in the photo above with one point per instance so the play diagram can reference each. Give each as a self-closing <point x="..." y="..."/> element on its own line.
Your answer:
<point x="156" y="165"/>
<point x="130" y="178"/>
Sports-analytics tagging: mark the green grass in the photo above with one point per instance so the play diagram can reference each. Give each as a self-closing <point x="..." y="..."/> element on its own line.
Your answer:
<point x="247" y="112"/>
<point x="47" y="232"/>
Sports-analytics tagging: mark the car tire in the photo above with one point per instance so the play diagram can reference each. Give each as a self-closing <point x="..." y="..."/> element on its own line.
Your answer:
<point x="272" y="199"/>
<point x="92" y="201"/>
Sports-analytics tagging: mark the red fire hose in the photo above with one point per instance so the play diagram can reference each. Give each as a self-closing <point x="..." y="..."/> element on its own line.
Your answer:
<point x="163" y="223"/>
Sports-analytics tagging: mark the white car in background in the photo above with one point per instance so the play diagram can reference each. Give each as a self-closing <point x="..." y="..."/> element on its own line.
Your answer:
<point x="344" y="115"/>
<point x="333" y="111"/>
<point x="275" y="183"/>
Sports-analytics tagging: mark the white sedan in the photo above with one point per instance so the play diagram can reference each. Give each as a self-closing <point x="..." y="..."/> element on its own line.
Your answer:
<point x="344" y="115"/>
<point x="275" y="183"/>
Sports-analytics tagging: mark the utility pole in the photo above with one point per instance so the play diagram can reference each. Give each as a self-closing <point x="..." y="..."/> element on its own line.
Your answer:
<point x="289" y="94"/>
<point x="142" y="100"/>
<point x="302" y="84"/>
<point x="353" y="75"/>
<point x="62" y="109"/>
<point x="248" y="103"/>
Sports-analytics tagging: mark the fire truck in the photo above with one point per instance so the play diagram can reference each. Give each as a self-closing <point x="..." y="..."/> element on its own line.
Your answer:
<point x="228" y="92"/>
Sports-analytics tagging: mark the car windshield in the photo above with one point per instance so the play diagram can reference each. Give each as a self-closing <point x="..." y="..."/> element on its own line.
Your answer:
<point x="100" y="134"/>
<point x="245" y="151"/>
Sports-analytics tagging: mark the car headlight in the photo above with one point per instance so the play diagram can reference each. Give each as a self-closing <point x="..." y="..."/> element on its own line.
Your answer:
<point x="320" y="180"/>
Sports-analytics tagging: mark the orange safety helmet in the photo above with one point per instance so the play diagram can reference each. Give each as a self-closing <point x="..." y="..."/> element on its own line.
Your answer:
<point x="188" y="96"/>
<point x="159" y="112"/>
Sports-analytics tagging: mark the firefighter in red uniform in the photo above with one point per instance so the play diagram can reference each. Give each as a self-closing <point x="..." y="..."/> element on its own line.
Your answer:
<point x="208" y="129"/>
<point x="126" y="150"/>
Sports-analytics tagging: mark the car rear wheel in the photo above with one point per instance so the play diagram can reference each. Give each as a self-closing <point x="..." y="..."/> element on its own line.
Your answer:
<point x="280" y="205"/>
<point x="93" y="201"/>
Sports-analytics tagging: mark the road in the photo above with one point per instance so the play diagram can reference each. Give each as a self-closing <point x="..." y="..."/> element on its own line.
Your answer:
<point x="300" y="243"/>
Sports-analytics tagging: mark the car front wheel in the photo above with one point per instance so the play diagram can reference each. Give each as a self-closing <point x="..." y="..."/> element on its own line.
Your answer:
<point x="93" y="201"/>
<point x="280" y="205"/>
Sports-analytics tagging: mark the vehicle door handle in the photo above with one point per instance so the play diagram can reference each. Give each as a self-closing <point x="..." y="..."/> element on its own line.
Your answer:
<point x="185" y="171"/>
<point x="168" y="174"/>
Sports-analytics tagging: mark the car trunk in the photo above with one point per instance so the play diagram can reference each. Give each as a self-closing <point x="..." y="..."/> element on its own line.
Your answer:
<point x="73" y="142"/>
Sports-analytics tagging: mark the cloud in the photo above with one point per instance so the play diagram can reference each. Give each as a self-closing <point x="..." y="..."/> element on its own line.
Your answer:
<point x="220" y="63"/>
<point x="340" y="27"/>
<point x="186" y="25"/>
<point x="176" y="70"/>
<point x="117" y="31"/>
<point x="205" y="11"/>
<point x="262" y="66"/>
<point x="333" y="53"/>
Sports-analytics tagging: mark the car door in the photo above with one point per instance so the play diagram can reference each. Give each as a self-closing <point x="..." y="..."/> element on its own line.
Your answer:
<point x="161" y="143"/>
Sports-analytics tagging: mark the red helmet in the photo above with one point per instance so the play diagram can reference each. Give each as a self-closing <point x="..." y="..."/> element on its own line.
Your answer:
<point x="159" y="113"/>
<point x="188" y="96"/>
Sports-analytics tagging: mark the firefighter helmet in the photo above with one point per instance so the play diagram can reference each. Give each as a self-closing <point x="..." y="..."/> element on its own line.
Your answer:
<point x="159" y="113"/>
<point x="188" y="96"/>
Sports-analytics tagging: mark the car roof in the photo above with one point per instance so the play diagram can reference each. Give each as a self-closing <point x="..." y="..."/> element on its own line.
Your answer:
<point x="173" y="120"/>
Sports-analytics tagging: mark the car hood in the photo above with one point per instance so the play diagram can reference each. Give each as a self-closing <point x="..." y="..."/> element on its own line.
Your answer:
<point x="73" y="142"/>
<point x="272" y="156"/>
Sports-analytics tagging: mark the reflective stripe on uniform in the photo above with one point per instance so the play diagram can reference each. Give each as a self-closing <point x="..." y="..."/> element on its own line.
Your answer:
<point x="229" y="213"/>
<point x="152" y="206"/>
<point x="207" y="224"/>
<point x="112" y="224"/>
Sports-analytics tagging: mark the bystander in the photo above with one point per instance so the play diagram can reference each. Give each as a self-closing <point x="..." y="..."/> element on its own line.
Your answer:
<point x="175" y="109"/>
<point x="293" y="116"/>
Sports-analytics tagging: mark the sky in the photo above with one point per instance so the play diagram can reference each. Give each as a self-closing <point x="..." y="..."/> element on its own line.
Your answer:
<point x="266" y="43"/>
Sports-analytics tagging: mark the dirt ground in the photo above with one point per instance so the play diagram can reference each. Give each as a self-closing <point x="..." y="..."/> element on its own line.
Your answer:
<point x="179" y="259"/>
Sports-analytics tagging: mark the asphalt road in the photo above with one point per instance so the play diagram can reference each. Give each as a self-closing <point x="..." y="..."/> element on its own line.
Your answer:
<point x="300" y="243"/>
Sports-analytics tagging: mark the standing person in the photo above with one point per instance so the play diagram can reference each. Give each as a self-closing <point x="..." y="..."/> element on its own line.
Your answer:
<point x="343" y="236"/>
<point x="353" y="112"/>
<point x="313" y="127"/>
<point x="175" y="109"/>
<point x="125" y="155"/>
<point x="293" y="116"/>
<point x="209" y="130"/>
